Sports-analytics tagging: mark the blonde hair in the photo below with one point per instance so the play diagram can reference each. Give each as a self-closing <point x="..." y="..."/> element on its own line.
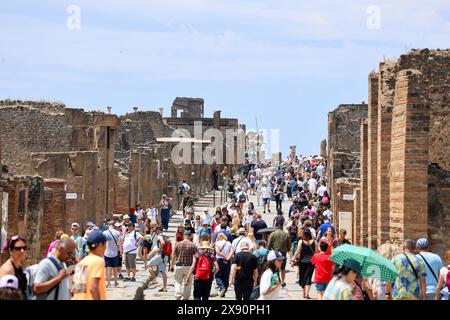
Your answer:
<point x="221" y="236"/>
<point x="58" y="234"/>
<point x="251" y="236"/>
<point x="64" y="236"/>
<point x="447" y="256"/>
<point x="388" y="250"/>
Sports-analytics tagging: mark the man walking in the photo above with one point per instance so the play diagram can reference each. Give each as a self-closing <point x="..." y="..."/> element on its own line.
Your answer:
<point x="433" y="264"/>
<point x="89" y="281"/>
<point x="130" y="244"/>
<point x="244" y="273"/>
<point x="411" y="283"/>
<point x="76" y="236"/>
<point x="181" y="263"/>
<point x="112" y="259"/>
<point x="51" y="281"/>
<point x="279" y="241"/>
<point x="236" y="244"/>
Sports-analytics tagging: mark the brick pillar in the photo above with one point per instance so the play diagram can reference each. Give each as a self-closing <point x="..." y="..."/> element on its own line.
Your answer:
<point x="385" y="104"/>
<point x="364" y="223"/>
<point x="356" y="234"/>
<point x="372" y="160"/>
<point x="409" y="161"/>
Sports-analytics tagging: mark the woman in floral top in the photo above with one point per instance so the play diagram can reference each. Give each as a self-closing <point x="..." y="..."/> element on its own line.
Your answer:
<point x="340" y="287"/>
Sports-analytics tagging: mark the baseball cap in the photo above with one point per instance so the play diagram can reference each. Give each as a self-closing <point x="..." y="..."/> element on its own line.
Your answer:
<point x="117" y="224"/>
<point x="205" y="210"/>
<point x="9" y="281"/>
<point x="353" y="265"/>
<point x="275" y="255"/>
<point x="96" y="237"/>
<point x="422" y="243"/>
<point x="75" y="225"/>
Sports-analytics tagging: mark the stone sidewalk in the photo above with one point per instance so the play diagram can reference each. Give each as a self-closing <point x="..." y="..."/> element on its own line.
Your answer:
<point x="141" y="289"/>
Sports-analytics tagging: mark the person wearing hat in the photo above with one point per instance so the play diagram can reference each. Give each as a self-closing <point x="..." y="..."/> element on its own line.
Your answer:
<point x="164" y="206"/>
<point x="433" y="263"/>
<point x="206" y="232"/>
<point x="130" y="245"/>
<point x="189" y="224"/>
<point x="207" y="217"/>
<point x="341" y="286"/>
<point x="236" y="244"/>
<point x="244" y="272"/>
<point x="269" y="286"/>
<point x="89" y="281"/>
<point x="76" y="236"/>
<point x="9" y="288"/>
<point x="112" y="260"/>
<point x="204" y="267"/>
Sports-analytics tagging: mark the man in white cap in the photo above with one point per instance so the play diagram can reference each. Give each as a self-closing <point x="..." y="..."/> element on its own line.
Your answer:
<point x="78" y="239"/>
<point x="433" y="264"/>
<point x="236" y="244"/>
<point x="207" y="217"/>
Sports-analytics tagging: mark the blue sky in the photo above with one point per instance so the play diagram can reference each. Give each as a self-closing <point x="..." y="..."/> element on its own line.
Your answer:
<point x="287" y="62"/>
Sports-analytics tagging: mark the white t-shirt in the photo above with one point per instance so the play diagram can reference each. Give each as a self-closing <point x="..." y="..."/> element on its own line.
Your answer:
<point x="265" y="191"/>
<point x="129" y="242"/>
<point x="207" y="218"/>
<point x="321" y="190"/>
<point x="152" y="214"/>
<point x="112" y="244"/>
<point x="312" y="183"/>
<point x="320" y="170"/>
<point x="265" y="284"/>
<point x="186" y="187"/>
<point x="238" y="242"/>
<point x="258" y="172"/>
<point x="248" y="219"/>
<point x="226" y="245"/>
<point x="138" y="213"/>
<point x="328" y="215"/>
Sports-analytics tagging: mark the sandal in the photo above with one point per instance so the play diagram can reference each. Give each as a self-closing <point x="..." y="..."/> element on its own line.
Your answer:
<point x="162" y="290"/>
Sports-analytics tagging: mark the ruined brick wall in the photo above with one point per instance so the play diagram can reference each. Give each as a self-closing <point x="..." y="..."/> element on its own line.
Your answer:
<point x="191" y="107"/>
<point x="31" y="127"/>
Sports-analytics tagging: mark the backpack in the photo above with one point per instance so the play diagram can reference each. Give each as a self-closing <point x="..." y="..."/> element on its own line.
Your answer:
<point x="203" y="271"/>
<point x="242" y="197"/>
<point x="181" y="190"/>
<point x="262" y="261"/>
<point x="325" y="200"/>
<point x="447" y="280"/>
<point x="167" y="248"/>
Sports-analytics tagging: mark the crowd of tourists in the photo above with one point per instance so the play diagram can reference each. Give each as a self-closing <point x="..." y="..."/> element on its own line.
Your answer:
<point x="236" y="247"/>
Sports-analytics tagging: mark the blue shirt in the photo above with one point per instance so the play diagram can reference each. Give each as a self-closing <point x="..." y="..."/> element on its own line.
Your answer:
<point x="226" y="233"/>
<point x="436" y="264"/>
<point x="260" y="252"/>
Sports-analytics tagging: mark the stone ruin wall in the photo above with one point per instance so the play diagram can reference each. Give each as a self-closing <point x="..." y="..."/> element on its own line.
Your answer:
<point x="404" y="148"/>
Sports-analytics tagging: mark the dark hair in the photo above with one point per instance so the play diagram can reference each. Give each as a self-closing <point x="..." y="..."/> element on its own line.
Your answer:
<point x="271" y="265"/>
<point x="11" y="294"/>
<point x="306" y="234"/>
<point x="263" y="243"/>
<point x="13" y="240"/>
<point x="342" y="271"/>
<point x="323" y="245"/>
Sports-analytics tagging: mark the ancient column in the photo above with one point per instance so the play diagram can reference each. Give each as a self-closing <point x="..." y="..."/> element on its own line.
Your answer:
<point x="364" y="223"/>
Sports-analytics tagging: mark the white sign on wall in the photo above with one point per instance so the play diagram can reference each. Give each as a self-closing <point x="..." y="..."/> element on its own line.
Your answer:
<point x="348" y="197"/>
<point x="71" y="196"/>
<point x="346" y="222"/>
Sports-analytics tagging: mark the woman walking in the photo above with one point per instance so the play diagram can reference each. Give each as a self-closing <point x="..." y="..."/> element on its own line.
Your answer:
<point x="204" y="267"/>
<point x="305" y="251"/>
<point x="341" y="286"/>
<point x="270" y="284"/>
<point x="17" y="248"/>
<point x="164" y="205"/>
<point x="223" y="256"/>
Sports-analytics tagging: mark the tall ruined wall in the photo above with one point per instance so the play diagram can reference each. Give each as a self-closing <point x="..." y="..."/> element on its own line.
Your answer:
<point x="27" y="128"/>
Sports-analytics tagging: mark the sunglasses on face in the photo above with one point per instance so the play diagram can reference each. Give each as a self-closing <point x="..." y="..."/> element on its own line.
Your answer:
<point x="24" y="248"/>
<point x="74" y="228"/>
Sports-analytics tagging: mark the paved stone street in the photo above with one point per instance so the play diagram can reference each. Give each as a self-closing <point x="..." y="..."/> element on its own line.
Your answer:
<point x="141" y="289"/>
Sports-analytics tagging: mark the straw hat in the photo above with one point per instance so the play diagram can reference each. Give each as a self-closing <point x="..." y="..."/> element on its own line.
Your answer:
<point x="205" y="245"/>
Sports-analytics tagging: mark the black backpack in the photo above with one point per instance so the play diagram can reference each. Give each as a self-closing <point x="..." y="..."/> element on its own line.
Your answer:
<point x="262" y="261"/>
<point x="181" y="190"/>
<point x="279" y="220"/>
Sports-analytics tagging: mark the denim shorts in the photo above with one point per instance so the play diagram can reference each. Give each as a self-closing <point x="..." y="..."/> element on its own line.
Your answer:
<point x="321" y="286"/>
<point x="266" y="200"/>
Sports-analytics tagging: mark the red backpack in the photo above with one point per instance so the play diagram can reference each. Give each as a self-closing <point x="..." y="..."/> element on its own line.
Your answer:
<point x="325" y="200"/>
<point x="203" y="271"/>
<point x="167" y="248"/>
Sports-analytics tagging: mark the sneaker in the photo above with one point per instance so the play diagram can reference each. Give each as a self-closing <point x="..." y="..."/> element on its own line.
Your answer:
<point x="120" y="276"/>
<point x="264" y="212"/>
<point x="283" y="284"/>
<point x="162" y="290"/>
<point x="133" y="279"/>
<point x="222" y="293"/>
